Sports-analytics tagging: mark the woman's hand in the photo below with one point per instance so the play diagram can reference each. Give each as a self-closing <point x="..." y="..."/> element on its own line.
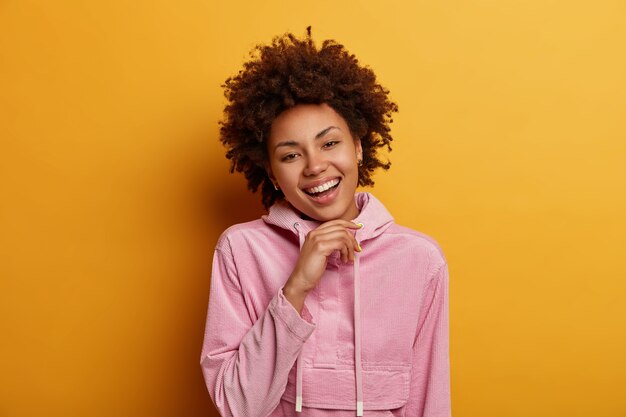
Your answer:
<point x="319" y="244"/>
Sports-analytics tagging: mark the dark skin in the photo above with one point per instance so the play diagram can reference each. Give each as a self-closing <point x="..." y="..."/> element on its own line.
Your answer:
<point x="309" y="144"/>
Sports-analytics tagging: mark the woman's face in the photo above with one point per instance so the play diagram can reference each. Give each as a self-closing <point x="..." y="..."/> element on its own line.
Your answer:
<point x="313" y="158"/>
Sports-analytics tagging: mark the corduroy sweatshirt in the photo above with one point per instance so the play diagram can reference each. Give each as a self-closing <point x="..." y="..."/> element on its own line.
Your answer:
<point x="372" y="338"/>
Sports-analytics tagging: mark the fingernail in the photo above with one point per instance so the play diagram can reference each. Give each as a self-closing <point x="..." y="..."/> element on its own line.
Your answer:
<point x="358" y="224"/>
<point x="358" y="246"/>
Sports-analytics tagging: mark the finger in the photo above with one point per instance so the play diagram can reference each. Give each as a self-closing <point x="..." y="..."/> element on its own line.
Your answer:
<point x="337" y="233"/>
<point x="327" y="243"/>
<point x="344" y="254"/>
<point x="330" y="230"/>
<point x="351" y="255"/>
<point x="339" y="222"/>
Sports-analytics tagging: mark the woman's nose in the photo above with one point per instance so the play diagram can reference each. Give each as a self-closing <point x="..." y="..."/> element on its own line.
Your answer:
<point x="316" y="164"/>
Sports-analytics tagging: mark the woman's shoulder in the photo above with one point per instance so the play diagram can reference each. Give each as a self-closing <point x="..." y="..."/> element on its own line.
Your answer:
<point x="240" y="231"/>
<point x="414" y="238"/>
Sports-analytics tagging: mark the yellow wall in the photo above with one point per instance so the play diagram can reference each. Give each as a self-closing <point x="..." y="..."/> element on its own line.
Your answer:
<point x="510" y="150"/>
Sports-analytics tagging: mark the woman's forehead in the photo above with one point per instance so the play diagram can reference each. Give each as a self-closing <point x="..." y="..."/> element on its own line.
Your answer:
<point x="306" y="122"/>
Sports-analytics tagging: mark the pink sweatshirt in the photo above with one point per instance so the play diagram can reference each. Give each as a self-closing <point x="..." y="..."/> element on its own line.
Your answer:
<point x="372" y="339"/>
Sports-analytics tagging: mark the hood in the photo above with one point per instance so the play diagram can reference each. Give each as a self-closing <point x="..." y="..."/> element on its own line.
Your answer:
<point x="372" y="214"/>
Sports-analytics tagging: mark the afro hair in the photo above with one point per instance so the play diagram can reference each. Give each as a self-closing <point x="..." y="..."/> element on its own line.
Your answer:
<point x="292" y="71"/>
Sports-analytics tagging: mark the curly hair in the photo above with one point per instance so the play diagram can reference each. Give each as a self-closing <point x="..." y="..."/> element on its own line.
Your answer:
<point x="292" y="71"/>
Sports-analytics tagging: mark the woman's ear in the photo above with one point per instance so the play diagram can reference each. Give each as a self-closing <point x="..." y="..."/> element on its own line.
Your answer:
<point x="359" y="150"/>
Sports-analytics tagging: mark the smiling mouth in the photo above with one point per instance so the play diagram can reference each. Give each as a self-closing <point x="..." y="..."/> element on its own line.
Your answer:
<point x="324" y="189"/>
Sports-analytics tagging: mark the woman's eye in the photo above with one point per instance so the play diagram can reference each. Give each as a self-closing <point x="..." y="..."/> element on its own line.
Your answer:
<point x="330" y="144"/>
<point x="288" y="157"/>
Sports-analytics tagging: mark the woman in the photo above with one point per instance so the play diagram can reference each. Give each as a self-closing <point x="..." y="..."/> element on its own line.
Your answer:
<point x="325" y="306"/>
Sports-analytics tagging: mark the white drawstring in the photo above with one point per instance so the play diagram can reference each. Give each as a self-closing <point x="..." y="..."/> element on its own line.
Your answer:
<point x="357" y="338"/>
<point x="299" y="359"/>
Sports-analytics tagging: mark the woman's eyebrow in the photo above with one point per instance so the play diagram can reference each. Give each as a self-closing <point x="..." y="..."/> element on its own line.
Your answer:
<point x="323" y="132"/>
<point x="295" y="143"/>
<point x="286" y="143"/>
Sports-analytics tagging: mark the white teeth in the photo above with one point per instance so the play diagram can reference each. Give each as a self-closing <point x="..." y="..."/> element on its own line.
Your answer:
<point x="323" y="187"/>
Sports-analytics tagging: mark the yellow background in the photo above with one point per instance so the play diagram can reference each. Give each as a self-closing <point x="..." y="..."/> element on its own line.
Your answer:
<point x="510" y="150"/>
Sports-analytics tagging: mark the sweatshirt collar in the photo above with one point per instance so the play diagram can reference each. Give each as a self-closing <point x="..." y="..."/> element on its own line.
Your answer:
<point x="372" y="214"/>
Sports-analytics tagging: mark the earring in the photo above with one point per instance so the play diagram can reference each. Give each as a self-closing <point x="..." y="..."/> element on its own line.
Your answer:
<point x="360" y="162"/>
<point x="275" y="186"/>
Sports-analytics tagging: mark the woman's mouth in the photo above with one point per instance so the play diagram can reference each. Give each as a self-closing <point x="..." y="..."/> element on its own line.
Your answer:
<point x="322" y="190"/>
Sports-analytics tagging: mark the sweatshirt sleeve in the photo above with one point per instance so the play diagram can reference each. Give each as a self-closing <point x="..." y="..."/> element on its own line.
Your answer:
<point x="246" y="362"/>
<point x="430" y="375"/>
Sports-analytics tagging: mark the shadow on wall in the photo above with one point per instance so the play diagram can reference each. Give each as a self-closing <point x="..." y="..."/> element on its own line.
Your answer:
<point x="218" y="200"/>
<point x="232" y="202"/>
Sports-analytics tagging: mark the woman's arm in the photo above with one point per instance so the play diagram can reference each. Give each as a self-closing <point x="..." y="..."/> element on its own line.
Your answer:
<point x="246" y="363"/>
<point x="430" y="376"/>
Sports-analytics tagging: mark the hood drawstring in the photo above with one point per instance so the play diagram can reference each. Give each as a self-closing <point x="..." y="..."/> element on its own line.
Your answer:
<point x="301" y="238"/>
<point x="357" y="337"/>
